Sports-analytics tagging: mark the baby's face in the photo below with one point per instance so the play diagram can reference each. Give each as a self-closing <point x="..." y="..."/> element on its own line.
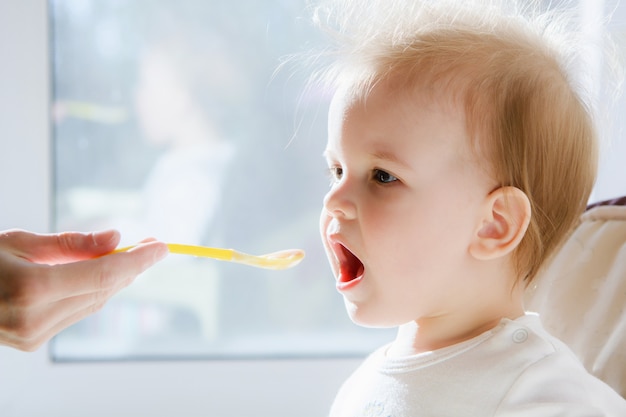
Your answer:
<point x="403" y="205"/>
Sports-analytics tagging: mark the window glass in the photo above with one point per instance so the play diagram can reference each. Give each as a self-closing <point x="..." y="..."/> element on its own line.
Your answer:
<point x="611" y="101"/>
<point x="171" y="120"/>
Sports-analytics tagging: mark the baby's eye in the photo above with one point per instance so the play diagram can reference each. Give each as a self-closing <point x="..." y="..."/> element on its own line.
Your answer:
<point x="335" y="174"/>
<point x="383" y="177"/>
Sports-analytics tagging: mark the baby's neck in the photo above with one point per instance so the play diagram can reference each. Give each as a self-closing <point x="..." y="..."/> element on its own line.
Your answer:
<point x="432" y="333"/>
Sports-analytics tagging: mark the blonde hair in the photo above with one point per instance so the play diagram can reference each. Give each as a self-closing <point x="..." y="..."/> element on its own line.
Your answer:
<point x="506" y="66"/>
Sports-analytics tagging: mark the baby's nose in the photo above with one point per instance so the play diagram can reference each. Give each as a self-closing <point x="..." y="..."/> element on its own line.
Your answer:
<point x="339" y="202"/>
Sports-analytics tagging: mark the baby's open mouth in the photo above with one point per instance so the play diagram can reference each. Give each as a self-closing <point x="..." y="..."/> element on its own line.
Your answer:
<point x="350" y="267"/>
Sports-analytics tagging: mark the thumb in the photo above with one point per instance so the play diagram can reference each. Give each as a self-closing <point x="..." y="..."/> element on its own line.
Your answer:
<point x="67" y="246"/>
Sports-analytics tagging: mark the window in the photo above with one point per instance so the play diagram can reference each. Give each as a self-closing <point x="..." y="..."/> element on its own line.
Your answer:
<point x="172" y="121"/>
<point x="611" y="99"/>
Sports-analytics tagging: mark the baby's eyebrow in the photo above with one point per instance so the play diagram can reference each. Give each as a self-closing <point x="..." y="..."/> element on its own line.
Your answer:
<point x="390" y="157"/>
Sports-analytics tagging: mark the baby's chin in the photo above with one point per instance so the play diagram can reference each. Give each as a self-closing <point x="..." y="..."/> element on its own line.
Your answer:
<point x="369" y="317"/>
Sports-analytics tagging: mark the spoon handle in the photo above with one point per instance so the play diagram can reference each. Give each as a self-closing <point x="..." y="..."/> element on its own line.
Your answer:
<point x="194" y="250"/>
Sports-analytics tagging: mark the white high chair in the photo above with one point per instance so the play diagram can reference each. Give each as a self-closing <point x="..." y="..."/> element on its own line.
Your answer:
<point x="581" y="292"/>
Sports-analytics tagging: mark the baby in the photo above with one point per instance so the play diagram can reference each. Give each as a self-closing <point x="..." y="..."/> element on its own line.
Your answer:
<point x="460" y="157"/>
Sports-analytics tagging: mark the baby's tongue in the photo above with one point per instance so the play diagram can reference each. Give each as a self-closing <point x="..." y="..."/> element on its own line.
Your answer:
<point x="351" y="267"/>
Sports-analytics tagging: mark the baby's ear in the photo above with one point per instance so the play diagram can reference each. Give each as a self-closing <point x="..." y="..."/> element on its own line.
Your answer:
<point x="506" y="216"/>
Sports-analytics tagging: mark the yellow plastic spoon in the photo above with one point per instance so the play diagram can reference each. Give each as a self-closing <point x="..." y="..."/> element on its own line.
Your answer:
<point x="276" y="260"/>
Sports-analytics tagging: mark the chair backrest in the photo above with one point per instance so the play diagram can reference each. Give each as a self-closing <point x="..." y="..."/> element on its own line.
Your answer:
<point x="581" y="292"/>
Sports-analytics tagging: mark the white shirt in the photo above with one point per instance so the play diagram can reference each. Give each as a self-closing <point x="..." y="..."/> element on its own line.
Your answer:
<point x="515" y="369"/>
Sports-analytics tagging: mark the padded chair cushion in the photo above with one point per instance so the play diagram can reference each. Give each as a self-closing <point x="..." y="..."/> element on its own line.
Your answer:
<point x="581" y="293"/>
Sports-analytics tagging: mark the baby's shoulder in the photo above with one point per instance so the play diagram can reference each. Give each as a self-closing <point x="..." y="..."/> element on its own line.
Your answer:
<point x="552" y="376"/>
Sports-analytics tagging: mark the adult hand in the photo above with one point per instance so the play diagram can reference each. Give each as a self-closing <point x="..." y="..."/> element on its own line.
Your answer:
<point x="48" y="282"/>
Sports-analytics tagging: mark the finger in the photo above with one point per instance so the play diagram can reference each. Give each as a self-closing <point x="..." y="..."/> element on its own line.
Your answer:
<point x="62" y="247"/>
<point x="29" y="328"/>
<point x="107" y="272"/>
